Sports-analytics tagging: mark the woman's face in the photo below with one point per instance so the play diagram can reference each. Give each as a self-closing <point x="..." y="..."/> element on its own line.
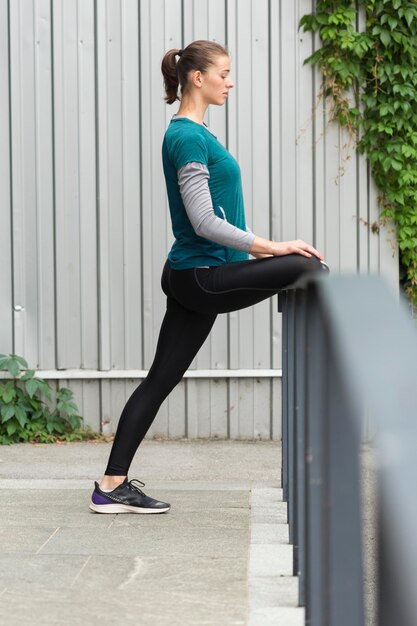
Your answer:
<point x="216" y="82"/>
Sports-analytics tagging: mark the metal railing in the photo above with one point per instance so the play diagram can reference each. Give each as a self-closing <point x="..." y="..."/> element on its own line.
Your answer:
<point x="348" y="344"/>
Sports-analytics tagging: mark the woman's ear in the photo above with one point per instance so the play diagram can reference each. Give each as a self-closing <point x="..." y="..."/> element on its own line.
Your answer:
<point x="197" y="78"/>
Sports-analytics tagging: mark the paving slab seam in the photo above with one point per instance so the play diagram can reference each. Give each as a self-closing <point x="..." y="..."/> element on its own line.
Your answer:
<point x="68" y="484"/>
<point x="48" y="540"/>
<point x="272" y="589"/>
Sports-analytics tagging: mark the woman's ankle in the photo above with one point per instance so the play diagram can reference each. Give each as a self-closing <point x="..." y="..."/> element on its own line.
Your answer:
<point x="108" y="483"/>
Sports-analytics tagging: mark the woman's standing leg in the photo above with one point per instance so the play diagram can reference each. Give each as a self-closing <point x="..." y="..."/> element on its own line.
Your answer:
<point x="182" y="334"/>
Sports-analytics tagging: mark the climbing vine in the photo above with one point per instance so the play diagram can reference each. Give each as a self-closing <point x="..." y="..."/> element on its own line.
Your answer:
<point x="370" y="76"/>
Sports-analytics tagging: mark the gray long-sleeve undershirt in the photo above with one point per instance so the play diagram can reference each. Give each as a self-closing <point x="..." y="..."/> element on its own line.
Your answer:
<point x="193" y="182"/>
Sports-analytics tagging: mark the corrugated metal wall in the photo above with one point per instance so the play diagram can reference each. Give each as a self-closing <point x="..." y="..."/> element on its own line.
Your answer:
<point x="84" y="220"/>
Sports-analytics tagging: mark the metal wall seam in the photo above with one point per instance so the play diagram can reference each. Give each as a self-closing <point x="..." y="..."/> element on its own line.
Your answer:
<point x="44" y="159"/>
<point x="6" y="302"/>
<point x="67" y="184"/>
<point x="85" y="45"/>
<point x="261" y="138"/>
<point x="103" y="173"/>
<point x="24" y="184"/>
<point x="131" y="185"/>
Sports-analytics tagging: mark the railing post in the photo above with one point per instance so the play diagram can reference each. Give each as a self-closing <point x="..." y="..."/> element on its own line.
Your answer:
<point x="299" y="424"/>
<point x="283" y="308"/>
<point x="291" y="449"/>
<point x="345" y="576"/>
<point x="316" y="409"/>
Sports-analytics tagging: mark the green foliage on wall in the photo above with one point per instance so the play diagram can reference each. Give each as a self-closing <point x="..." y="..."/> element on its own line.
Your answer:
<point x="371" y="79"/>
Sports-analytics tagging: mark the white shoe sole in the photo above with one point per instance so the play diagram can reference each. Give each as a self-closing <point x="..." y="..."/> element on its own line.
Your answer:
<point x="123" y="508"/>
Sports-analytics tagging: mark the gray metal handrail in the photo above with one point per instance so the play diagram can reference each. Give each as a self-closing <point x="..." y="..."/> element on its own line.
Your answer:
<point x="348" y="344"/>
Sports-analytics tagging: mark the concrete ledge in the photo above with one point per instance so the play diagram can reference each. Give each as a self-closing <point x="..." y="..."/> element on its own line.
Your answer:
<point x="277" y="616"/>
<point x="273" y="590"/>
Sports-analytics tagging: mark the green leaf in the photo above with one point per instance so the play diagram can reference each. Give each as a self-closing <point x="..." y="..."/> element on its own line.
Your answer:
<point x="9" y="392"/>
<point x="11" y="428"/>
<point x="409" y="15"/>
<point x="44" y="388"/>
<point x="385" y="37"/>
<point x="12" y="366"/>
<point x="7" y="412"/>
<point x="27" y="375"/>
<point x="392" y="22"/>
<point x="396" y="165"/>
<point x="20" y="415"/>
<point x="31" y="386"/>
<point x="20" y="360"/>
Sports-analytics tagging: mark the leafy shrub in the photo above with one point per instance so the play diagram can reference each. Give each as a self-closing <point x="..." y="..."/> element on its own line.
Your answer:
<point x="25" y="416"/>
<point x="378" y="67"/>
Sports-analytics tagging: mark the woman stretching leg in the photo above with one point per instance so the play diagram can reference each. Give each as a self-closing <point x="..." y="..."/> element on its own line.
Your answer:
<point x="208" y="270"/>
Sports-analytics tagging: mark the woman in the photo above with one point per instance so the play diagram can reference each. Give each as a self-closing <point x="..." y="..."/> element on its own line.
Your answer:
<point x="208" y="270"/>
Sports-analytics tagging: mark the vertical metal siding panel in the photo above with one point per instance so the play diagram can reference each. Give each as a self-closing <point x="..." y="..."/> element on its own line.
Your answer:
<point x="204" y="19"/>
<point x="207" y="408"/>
<point x="261" y="201"/>
<point x="275" y="164"/>
<point x="388" y="254"/>
<point x="106" y="416"/>
<point x="6" y="304"/>
<point x="117" y="399"/>
<point x="262" y="409"/>
<point x="276" y="402"/>
<point x="373" y="216"/>
<point x="233" y="408"/>
<point x="160" y="31"/>
<point x="246" y="408"/>
<point x="363" y="226"/>
<point x="241" y="339"/>
<point x="131" y="185"/>
<point x="196" y="415"/>
<point x="177" y="411"/>
<point x="67" y="184"/>
<point x="202" y="407"/>
<point x="304" y="138"/>
<point x="87" y="184"/>
<point x="218" y="408"/>
<point x="103" y="208"/>
<point x="90" y="398"/>
<point x="24" y="184"/>
<point x="45" y="201"/>
<point x="332" y="198"/>
<point x="348" y="205"/>
<point x="116" y="197"/>
<point x="319" y="162"/>
<point x="288" y="128"/>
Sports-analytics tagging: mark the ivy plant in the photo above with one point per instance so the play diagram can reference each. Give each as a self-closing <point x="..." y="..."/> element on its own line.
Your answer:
<point x="27" y="412"/>
<point x="370" y="77"/>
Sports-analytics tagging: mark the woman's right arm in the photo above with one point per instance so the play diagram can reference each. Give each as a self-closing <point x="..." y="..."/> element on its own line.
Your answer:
<point x="266" y="247"/>
<point x="193" y="183"/>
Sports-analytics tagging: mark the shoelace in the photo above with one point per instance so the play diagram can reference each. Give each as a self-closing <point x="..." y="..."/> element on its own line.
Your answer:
<point x="133" y="486"/>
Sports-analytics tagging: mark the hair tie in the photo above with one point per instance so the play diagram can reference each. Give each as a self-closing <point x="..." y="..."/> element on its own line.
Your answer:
<point x="180" y="52"/>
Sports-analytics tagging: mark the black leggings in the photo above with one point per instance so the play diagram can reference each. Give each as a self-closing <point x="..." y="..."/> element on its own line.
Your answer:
<point x="194" y="298"/>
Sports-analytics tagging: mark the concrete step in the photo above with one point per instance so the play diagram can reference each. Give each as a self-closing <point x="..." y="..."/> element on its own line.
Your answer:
<point x="273" y="590"/>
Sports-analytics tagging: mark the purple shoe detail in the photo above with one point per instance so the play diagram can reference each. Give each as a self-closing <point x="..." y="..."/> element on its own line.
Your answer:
<point x="97" y="498"/>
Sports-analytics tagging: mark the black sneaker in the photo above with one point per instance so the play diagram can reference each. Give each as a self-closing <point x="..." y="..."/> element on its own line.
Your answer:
<point x="126" y="498"/>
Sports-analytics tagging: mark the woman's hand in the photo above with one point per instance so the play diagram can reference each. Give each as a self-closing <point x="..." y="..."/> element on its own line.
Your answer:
<point x="261" y="247"/>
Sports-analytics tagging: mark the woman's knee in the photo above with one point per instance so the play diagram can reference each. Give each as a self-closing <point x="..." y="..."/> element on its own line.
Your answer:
<point x="313" y="264"/>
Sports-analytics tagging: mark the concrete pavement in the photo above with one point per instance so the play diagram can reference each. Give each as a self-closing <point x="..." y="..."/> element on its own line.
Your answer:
<point x="220" y="558"/>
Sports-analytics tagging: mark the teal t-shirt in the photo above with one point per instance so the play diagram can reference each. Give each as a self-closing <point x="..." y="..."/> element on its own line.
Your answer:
<point x="186" y="141"/>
